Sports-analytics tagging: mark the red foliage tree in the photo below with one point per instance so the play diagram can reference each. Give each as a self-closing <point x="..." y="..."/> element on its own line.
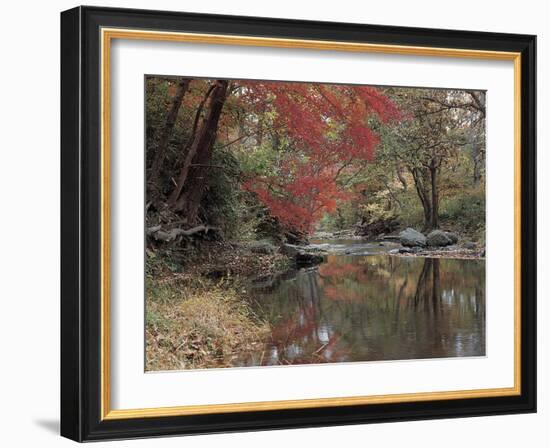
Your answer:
<point x="329" y="129"/>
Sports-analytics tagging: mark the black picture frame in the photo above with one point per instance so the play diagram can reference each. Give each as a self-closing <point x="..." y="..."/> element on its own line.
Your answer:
<point x="81" y="224"/>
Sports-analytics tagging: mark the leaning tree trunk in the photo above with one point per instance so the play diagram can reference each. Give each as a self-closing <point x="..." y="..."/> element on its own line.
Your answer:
<point x="192" y="179"/>
<point x="190" y="149"/>
<point x="158" y="160"/>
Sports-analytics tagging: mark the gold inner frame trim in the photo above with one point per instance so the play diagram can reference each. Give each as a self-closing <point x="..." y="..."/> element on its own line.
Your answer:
<point x="107" y="35"/>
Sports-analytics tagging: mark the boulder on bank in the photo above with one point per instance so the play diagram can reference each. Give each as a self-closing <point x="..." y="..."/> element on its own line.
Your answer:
<point x="453" y="236"/>
<point x="440" y="238"/>
<point x="412" y="238"/>
<point x="304" y="256"/>
<point x="263" y="247"/>
<point x="408" y="251"/>
<point x="308" y="259"/>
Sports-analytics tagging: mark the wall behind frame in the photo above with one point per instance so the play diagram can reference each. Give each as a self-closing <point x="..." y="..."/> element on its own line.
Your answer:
<point x="29" y="186"/>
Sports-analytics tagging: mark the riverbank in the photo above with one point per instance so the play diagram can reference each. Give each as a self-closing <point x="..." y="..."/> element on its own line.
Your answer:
<point x="198" y="323"/>
<point x="198" y="312"/>
<point x="200" y="298"/>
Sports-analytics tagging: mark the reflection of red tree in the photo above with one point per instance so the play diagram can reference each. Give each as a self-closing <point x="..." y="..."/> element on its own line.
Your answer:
<point x="302" y="330"/>
<point x="341" y="293"/>
<point x="335" y="279"/>
<point x="350" y="281"/>
<point x="302" y="324"/>
<point x="339" y="269"/>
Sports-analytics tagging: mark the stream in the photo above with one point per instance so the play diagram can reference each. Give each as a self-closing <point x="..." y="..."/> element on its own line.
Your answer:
<point x="365" y="305"/>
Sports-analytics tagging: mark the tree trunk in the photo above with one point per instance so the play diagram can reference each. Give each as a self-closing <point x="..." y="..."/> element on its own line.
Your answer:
<point x="422" y="191"/>
<point x="434" y="220"/>
<point x="402" y="179"/>
<point x="477" y="163"/>
<point x="156" y="166"/>
<point x="192" y="178"/>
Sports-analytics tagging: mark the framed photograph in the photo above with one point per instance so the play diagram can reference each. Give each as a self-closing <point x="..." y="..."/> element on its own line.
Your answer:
<point x="276" y="224"/>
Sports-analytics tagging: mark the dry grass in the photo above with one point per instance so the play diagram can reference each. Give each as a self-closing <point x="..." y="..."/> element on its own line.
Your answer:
<point x="191" y="323"/>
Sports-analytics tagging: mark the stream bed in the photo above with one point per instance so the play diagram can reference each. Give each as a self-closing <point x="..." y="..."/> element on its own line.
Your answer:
<point x="362" y="304"/>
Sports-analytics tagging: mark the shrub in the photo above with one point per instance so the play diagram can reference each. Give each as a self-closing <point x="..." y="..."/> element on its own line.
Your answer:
<point x="465" y="213"/>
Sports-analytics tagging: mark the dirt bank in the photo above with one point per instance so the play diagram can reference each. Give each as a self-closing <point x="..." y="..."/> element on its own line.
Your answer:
<point x="197" y="312"/>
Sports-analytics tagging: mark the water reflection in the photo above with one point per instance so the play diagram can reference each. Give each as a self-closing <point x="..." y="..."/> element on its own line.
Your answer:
<point x="377" y="307"/>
